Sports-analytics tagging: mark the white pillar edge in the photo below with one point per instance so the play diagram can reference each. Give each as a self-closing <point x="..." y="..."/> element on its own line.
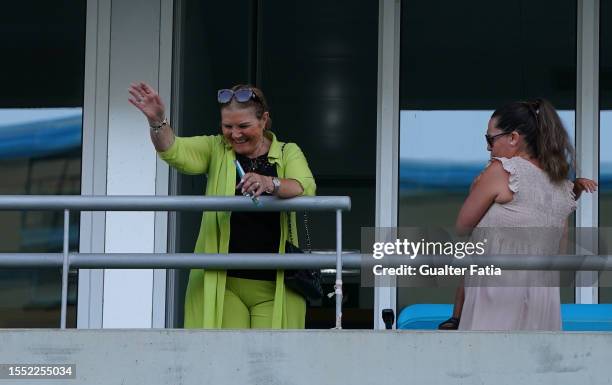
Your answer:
<point x="387" y="151"/>
<point x="587" y="130"/>
<point x="94" y="162"/>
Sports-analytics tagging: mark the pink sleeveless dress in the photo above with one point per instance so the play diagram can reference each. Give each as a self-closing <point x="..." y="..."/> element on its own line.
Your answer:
<point x="531" y="224"/>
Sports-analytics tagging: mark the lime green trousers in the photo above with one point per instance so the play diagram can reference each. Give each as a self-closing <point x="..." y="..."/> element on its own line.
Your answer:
<point x="248" y="304"/>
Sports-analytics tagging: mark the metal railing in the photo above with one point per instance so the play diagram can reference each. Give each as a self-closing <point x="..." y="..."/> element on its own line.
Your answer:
<point x="66" y="260"/>
<point x="174" y="203"/>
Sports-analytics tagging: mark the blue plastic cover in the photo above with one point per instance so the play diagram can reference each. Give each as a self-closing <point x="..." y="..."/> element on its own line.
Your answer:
<point x="575" y="317"/>
<point x="44" y="133"/>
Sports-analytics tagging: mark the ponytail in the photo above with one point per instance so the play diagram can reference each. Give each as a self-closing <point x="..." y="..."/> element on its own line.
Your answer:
<point x="554" y="150"/>
<point x="543" y="132"/>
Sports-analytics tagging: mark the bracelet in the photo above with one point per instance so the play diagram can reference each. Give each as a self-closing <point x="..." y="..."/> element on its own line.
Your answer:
<point x="156" y="129"/>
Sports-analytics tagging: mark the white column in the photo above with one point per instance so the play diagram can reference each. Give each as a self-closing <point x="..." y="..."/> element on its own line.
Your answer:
<point x="133" y="43"/>
<point x="587" y="133"/>
<point x="387" y="151"/>
<point x="93" y="175"/>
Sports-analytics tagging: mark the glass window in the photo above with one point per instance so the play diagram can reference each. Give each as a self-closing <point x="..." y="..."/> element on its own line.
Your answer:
<point x="605" y="128"/>
<point x="457" y="65"/>
<point x="213" y="57"/>
<point x="319" y="66"/>
<point x="40" y="149"/>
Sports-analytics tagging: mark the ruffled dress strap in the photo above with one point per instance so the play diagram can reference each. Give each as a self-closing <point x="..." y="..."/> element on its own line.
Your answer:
<point x="510" y="165"/>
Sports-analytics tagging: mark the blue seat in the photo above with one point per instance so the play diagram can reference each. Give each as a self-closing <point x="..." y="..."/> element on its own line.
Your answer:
<point x="423" y="316"/>
<point x="575" y="317"/>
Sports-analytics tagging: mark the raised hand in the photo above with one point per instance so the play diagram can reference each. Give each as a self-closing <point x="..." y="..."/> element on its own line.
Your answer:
<point x="148" y="102"/>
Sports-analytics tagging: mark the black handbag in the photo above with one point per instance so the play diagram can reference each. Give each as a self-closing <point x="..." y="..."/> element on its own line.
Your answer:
<point x="306" y="282"/>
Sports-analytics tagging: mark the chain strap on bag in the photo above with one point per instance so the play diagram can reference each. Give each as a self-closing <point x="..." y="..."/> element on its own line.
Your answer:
<point x="306" y="282"/>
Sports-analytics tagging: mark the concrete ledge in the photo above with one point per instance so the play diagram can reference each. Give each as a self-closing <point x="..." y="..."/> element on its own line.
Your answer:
<point x="353" y="357"/>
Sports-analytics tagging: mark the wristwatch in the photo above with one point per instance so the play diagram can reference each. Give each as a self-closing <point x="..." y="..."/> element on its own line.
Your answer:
<point x="276" y="183"/>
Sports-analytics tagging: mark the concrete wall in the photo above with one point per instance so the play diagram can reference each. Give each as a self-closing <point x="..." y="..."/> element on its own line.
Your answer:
<point x="178" y="357"/>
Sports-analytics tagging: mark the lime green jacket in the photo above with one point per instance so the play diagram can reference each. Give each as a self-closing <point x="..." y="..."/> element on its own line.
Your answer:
<point x="213" y="156"/>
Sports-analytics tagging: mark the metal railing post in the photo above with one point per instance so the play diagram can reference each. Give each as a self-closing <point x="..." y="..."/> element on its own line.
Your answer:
<point x="338" y="285"/>
<point x="65" y="268"/>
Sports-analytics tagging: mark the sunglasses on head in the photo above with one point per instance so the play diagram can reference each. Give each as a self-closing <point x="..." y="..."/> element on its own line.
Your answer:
<point x="241" y="95"/>
<point x="491" y="138"/>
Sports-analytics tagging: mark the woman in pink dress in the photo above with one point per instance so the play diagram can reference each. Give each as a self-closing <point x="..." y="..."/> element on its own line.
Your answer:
<point x="526" y="185"/>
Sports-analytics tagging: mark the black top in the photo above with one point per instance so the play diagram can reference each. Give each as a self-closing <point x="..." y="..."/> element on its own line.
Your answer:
<point x="255" y="232"/>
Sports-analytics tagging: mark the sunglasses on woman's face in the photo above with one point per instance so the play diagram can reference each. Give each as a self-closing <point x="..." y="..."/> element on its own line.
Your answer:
<point x="242" y="95"/>
<point x="491" y="138"/>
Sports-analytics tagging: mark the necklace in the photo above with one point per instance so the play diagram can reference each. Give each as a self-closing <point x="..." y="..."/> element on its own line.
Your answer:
<point x="259" y="162"/>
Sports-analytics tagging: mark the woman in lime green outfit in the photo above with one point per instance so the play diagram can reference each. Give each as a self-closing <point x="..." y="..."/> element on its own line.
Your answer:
<point x="237" y="298"/>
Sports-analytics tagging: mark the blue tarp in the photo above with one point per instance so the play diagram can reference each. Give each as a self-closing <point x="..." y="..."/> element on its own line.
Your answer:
<point x="44" y="137"/>
<point x="430" y="175"/>
<point x="427" y="176"/>
<point x="575" y="317"/>
<point x="40" y="138"/>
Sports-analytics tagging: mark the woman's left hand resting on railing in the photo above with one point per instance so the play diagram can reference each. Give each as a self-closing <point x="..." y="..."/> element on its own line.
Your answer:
<point x="257" y="184"/>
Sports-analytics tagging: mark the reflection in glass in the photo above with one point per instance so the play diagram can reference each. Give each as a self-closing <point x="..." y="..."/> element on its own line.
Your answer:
<point x="605" y="128"/>
<point x="605" y="188"/>
<point x="442" y="153"/>
<point x="455" y="69"/>
<point x="605" y="169"/>
<point x="40" y="154"/>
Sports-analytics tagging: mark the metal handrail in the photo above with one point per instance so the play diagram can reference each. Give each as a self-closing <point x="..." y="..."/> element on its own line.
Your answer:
<point x="170" y="203"/>
<point x="167" y="203"/>
<point x="256" y="261"/>
<point x="248" y="261"/>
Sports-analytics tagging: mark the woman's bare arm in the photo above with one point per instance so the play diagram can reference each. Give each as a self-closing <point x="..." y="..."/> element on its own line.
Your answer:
<point x="491" y="187"/>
